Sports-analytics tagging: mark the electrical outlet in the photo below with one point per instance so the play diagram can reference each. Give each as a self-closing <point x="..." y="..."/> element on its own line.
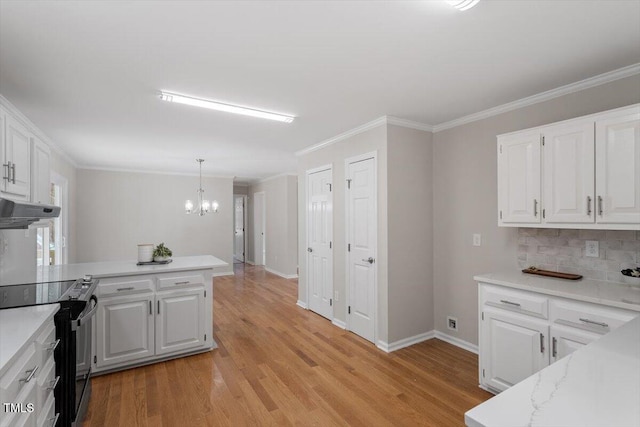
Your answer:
<point x="452" y="323"/>
<point x="336" y="295"/>
<point x="477" y="240"/>
<point x="592" y="248"/>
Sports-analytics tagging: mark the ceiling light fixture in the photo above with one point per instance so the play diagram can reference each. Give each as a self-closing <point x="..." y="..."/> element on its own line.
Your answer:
<point x="463" y="4"/>
<point x="203" y="205"/>
<point x="218" y="106"/>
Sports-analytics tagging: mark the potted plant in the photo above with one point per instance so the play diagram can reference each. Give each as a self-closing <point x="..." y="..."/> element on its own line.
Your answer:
<point x="162" y="253"/>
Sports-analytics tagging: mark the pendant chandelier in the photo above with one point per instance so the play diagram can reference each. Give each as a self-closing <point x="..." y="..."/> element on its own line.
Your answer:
<point x="203" y="206"/>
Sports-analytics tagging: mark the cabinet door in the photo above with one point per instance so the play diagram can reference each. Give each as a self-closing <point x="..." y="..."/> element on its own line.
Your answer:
<point x="519" y="178"/>
<point x="514" y="348"/>
<point x="618" y="167"/>
<point x="180" y="320"/>
<point x="17" y="159"/>
<point x="125" y="328"/>
<point x="40" y="179"/>
<point x="569" y="173"/>
<point x="565" y="341"/>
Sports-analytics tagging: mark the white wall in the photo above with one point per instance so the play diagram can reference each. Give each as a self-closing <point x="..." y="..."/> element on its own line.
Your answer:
<point x="465" y="200"/>
<point x="64" y="168"/>
<point x="281" y="231"/>
<point x="116" y="211"/>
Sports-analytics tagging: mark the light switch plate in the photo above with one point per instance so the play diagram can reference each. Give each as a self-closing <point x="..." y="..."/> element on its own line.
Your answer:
<point x="477" y="240"/>
<point x="592" y="248"/>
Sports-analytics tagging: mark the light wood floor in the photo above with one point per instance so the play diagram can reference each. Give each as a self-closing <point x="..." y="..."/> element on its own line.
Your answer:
<point x="278" y="364"/>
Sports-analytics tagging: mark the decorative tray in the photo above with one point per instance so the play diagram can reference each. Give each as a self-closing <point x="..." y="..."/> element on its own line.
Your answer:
<point x="155" y="262"/>
<point x="568" y="276"/>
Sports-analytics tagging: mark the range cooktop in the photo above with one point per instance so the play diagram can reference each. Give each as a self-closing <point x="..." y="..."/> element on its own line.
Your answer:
<point x="28" y="294"/>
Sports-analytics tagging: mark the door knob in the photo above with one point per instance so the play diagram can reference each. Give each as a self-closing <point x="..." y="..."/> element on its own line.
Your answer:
<point x="370" y="260"/>
<point x="309" y="250"/>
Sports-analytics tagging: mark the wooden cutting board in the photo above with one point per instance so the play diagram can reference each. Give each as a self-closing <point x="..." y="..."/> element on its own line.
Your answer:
<point x="555" y="274"/>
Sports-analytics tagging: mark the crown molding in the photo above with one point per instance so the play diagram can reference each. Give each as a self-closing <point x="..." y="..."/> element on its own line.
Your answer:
<point x="271" y="178"/>
<point x="150" y="172"/>
<point x="24" y="120"/>
<point x="598" y="80"/>
<point x="384" y="120"/>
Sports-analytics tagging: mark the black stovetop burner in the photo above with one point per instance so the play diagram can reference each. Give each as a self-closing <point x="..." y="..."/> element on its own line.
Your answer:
<point x="28" y="294"/>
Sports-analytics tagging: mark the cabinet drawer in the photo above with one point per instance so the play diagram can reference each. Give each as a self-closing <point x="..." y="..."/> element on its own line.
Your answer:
<point x="47" y="381"/>
<point x="515" y="300"/>
<point x="177" y="281"/>
<point x="16" y="378"/>
<point x="46" y="415"/>
<point x="124" y="286"/>
<point x="46" y="344"/>
<point x="590" y="317"/>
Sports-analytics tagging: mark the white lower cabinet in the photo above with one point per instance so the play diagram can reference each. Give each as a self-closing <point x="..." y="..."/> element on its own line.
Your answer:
<point x="516" y="348"/>
<point x="521" y="332"/>
<point x="141" y="319"/>
<point x="125" y="329"/>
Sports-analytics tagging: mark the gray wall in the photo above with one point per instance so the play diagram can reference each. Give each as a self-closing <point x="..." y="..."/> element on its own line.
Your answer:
<point x="281" y="223"/>
<point x="410" y="214"/>
<point x="465" y="200"/>
<point x="116" y="211"/>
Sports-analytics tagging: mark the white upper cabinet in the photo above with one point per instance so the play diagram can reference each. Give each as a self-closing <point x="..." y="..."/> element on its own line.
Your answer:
<point x="580" y="173"/>
<point x="40" y="175"/>
<point x="618" y="167"/>
<point x="568" y="176"/>
<point x="519" y="178"/>
<point x="16" y="161"/>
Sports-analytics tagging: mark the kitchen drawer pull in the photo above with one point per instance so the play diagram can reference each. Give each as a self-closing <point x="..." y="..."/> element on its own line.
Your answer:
<point x="600" y="210"/>
<point x="604" y="325"/>
<point x="186" y="282"/>
<point x="31" y="373"/>
<point x="554" y="347"/>
<point x="535" y="208"/>
<point x="53" y="383"/>
<point x="588" y="205"/>
<point x="130" y="288"/>
<point x="13" y="173"/>
<point x="515" y="304"/>
<point x="541" y="343"/>
<point x="8" y="166"/>
<point x="53" y="345"/>
<point x="54" y="420"/>
<point x="150" y="308"/>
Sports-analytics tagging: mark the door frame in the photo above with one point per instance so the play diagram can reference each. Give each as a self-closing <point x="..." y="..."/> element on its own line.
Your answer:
<point x="306" y="217"/>
<point x="263" y="251"/>
<point x="370" y="155"/>
<point x="245" y="225"/>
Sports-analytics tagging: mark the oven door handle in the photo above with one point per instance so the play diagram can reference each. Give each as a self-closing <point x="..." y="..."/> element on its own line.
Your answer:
<point x="82" y="320"/>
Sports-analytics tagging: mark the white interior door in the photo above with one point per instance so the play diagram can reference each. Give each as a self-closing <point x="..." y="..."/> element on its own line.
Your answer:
<point x="259" y="222"/>
<point x="319" y="245"/>
<point x="361" y="254"/>
<point x="238" y="225"/>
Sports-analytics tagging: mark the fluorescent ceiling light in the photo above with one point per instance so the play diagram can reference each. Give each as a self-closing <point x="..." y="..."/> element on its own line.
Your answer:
<point x="462" y="4"/>
<point x="218" y="106"/>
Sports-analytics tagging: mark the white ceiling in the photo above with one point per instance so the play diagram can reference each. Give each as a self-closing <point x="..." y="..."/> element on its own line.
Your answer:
<point x="88" y="73"/>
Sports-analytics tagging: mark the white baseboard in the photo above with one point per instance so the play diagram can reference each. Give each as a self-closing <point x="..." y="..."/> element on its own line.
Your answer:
<point x="405" y="342"/>
<point x="302" y="304"/>
<point x="277" y="273"/>
<point x="250" y="262"/>
<point x="465" y="345"/>
<point x="223" y="273"/>
<point x="339" y="323"/>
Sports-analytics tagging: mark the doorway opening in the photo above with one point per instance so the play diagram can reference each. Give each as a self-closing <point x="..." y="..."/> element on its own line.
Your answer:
<point x="239" y="228"/>
<point x="259" y="225"/>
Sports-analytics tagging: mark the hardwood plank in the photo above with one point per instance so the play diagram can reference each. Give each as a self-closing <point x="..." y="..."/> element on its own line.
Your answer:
<point x="280" y="365"/>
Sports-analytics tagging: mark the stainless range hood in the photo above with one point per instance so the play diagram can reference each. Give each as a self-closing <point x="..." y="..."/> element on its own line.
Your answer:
<point x="15" y="214"/>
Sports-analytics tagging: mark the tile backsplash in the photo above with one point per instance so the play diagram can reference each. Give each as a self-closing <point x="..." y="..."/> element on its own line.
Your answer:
<point x="564" y="250"/>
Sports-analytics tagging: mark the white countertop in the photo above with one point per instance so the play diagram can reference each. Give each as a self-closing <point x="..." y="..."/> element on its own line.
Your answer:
<point x="126" y="268"/>
<point x="597" y="385"/>
<point x="17" y="327"/>
<point x="598" y="292"/>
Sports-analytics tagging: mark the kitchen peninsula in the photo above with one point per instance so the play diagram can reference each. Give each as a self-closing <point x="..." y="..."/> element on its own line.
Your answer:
<point x="147" y="313"/>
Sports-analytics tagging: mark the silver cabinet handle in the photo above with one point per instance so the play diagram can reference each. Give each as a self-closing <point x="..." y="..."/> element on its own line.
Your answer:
<point x="592" y="322"/>
<point x="515" y="304"/>
<point x="53" y="383"/>
<point x="53" y="345"/>
<point x="600" y="210"/>
<point x="13" y="173"/>
<point x="31" y="373"/>
<point x="130" y="288"/>
<point x="554" y="347"/>
<point x="150" y="308"/>
<point x="541" y="343"/>
<point x="309" y="250"/>
<point x="8" y="166"/>
<point x="588" y="205"/>
<point x="535" y="208"/>
<point x="54" y="420"/>
<point x="370" y="260"/>
<point x="158" y="306"/>
<point x="186" y="282"/>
